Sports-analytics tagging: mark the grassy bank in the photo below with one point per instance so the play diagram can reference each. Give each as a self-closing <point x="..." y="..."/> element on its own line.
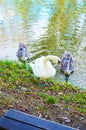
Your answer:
<point x="19" y="89"/>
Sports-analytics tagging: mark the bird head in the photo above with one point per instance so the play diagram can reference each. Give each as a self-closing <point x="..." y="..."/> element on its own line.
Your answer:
<point x="67" y="73"/>
<point x="57" y="60"/>
<point x="22" y="46"/>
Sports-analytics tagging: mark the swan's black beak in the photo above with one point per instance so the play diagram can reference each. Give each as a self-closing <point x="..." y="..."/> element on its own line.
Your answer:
<point x="59" y="61"/>
<point x="67" y="78"/>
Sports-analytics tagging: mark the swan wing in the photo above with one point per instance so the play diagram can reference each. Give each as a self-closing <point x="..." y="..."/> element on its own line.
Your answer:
<point x="42" y="68"/>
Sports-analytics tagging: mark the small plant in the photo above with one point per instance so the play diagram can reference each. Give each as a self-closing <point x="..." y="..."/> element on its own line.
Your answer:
<point x="80" y="98"/>
<point x="56" y="88"/>
<point x="44" y="95"/>
<point x="51" y="100"/>
<point x="5" y="99"/>
<point x="42" y="108"/>
<point x="66" y="99"/>
<point x="30" y="69"/>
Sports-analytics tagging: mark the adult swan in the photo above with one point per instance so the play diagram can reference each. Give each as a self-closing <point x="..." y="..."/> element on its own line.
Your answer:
<point x="43" y="68"/>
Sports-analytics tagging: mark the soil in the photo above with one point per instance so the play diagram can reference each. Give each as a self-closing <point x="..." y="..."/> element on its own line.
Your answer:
<point x="28" y="100"/>
<point x="59" y="102"/>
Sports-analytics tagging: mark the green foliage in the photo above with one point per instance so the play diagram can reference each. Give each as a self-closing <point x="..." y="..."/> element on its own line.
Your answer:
<point x="44" y="95"/>
<point x="14" y="75"/>
<point x="5" y="99"/>
<point x="56" y="88"/>
<point x="80" y="98"/>
<point x="42" y="108"/>
<point x="66" y="98"/>
<point x="17" y="79"/>
<point x="51" y="100"/>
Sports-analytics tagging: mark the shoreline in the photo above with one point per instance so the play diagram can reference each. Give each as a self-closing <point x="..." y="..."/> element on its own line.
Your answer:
<point x="61" y="102"/>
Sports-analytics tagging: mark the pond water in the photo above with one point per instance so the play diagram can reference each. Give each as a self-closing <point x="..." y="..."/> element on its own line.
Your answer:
<point x="46" y="27"/>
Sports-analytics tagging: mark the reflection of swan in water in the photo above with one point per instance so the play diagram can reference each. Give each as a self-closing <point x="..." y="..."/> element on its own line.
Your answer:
<point x="67" y="64"/>
<point x="22" y="53"/>
<point x="43" y="68"/>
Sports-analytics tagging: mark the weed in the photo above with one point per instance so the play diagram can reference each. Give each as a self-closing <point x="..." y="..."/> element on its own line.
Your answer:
<point x="66" y="98"/>
<point x="44" y="95"/>
<point x="51" y="100"/>
<point x="42" y="108"/>
<point x="56" y="88"/>
<point x="19" y="81"/>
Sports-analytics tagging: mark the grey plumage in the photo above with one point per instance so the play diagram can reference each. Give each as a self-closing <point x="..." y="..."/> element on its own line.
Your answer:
<point x="67" y="64"/>
<point x="23" y="53"/>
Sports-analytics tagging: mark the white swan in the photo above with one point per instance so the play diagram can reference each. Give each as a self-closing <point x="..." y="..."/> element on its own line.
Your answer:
<point x="43" y="68"/>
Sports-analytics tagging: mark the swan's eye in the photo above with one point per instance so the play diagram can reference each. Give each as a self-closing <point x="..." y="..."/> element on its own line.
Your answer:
<point x="67" y="58"/>
<point x="21" y="49"/>
<point x="23" y="46"/>
<point x="68" y="55"/>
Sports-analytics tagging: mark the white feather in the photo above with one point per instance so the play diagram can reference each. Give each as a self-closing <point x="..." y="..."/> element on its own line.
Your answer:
<point x="43" y="68"/>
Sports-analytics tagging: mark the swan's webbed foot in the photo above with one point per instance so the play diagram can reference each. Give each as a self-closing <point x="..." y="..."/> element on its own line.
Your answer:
<point x="45" y="83"/>
<point x="42" y="84"/>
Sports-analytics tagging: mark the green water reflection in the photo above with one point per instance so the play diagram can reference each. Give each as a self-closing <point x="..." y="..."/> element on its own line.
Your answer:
<point x="47" y="27"/>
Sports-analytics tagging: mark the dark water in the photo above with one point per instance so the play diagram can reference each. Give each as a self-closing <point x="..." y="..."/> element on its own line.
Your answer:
<point x="46" y="27"/>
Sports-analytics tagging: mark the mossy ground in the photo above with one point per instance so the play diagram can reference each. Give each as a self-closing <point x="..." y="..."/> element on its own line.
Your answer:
<point x="20" y="89"/>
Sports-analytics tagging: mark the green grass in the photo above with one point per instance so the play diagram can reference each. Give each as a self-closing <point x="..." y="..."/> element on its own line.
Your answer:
<point x="41" y="108"/>
<point x="20" y="84"/>
<point x="44" y="95"/>
<point x="48" y="98"/>
<point x="66" y="98"/>
<point x="13" y="74"/>
<point x="51" y="100"/>
<point x="5" y="99"/>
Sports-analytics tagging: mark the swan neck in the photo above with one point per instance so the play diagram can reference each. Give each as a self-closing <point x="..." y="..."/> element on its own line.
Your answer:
<point x="51" y="57"/>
